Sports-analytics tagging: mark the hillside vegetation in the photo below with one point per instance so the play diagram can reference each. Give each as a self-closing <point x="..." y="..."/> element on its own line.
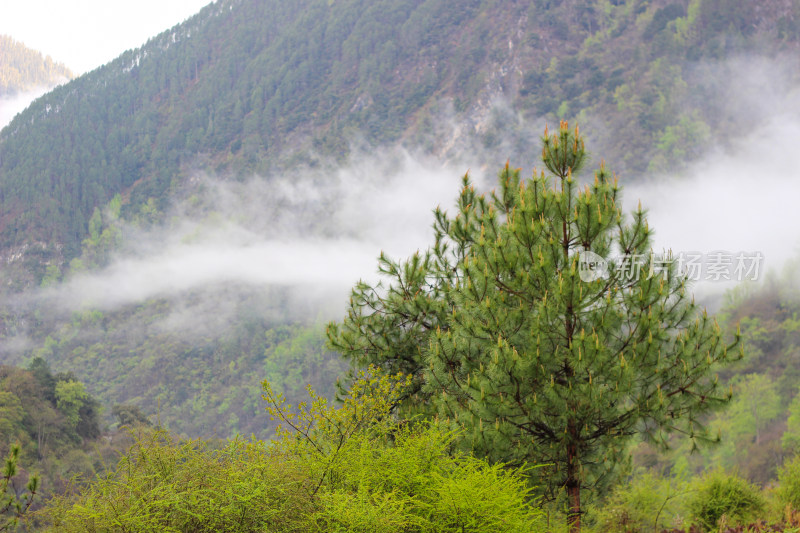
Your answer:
<point x="51" y="432"/>
<point x="22" y="69"/>
<point x="248" y="86"/>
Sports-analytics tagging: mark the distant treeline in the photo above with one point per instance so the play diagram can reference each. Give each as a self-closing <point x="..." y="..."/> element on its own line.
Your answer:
<point x="22" y="68"/>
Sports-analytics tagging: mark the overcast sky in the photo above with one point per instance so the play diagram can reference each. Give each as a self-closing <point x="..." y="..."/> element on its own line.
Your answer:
<point x="84" y="34"/>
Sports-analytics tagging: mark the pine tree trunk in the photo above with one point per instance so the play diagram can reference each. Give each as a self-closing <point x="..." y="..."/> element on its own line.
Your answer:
<point x="574" y="493"/>
<point x="573" y="483"/>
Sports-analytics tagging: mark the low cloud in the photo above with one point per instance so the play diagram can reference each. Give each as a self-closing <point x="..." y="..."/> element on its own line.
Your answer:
<point x="742" y="198"/>
<point x="315" y="235"/>
<point x="317" y="232"/>
<point x="11" y="105"/>
<point x="742" y="194"/>
<point x="321" y="233"/>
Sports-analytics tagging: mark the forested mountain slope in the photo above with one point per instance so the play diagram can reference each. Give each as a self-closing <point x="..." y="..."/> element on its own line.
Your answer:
<point x="251" y="86"/>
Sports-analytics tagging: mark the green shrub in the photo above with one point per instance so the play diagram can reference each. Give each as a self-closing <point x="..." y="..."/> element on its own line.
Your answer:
<point x="788" y="491"/>
<point x="646" y="503"/>
<point x="350" y="469"/>
<point x="165" y="485"/>
<point x="377" y="473"/>
<point x="721" y="497"/>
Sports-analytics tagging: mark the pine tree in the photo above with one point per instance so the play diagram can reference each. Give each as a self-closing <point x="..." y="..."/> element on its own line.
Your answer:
<point x="14" y="504"/>
<point x="513" y="337"/>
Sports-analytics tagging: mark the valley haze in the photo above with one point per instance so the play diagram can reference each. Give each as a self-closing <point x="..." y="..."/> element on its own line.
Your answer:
<point x="320" y="232"/>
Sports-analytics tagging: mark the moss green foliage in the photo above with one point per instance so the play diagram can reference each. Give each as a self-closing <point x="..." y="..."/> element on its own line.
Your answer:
<point x="355" y="468"/>
<point x="758" y="429"/>
<point x="166" y="485"/>
<point x="514" y="342"/>
<point x="251" y="86"/>
<point x="713" y="501"/>
<point x="749" y="428"/>
<point x="49" y="425"/>
<point x="201" y="383"/>
<point x="130" y="415"/>
<point x="721" y="499"/>
<point x="788" y="491"/>
<point x="761" y="426"/>
<point x="240" y="81"/>
<point x="790" y="441"/>
<point x="44" y="412"/>
<point x="646" y="502"/>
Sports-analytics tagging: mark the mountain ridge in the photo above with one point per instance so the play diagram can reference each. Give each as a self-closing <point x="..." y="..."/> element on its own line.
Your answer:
<point x="23" y="69"/>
